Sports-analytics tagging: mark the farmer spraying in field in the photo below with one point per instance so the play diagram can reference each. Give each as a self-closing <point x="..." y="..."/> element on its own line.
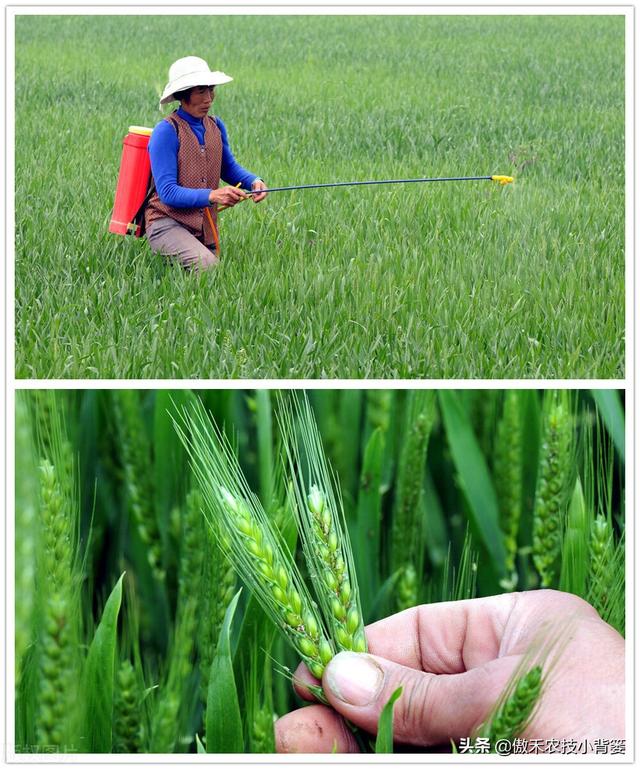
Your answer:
<point x="190" y="155"/>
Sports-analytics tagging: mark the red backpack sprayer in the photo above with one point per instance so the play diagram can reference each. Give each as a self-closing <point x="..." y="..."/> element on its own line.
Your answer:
<point x="134" y="184"/>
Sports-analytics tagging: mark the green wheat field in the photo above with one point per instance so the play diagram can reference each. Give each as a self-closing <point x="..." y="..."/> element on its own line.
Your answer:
<point x="130" y="633"/>
<point x="458" y="280"/>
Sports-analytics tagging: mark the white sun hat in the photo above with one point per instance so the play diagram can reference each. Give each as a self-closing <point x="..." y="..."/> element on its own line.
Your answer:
<point x="188" y="73"/>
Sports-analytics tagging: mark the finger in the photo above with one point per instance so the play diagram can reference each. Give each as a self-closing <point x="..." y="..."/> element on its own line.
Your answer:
<point x="302" y="679"/>
<point x="432" y="710"/>
<point x="448" y="637"/>
<point x="234" y="193"/>
<point x="314" y="729"/>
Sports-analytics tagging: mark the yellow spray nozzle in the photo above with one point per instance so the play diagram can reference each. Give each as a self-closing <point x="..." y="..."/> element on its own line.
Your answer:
<point x="502" y="179"/>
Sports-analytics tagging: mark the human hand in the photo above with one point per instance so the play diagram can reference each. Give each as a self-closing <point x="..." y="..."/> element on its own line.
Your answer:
<point x="227" y="196"/>
<point x="453" y="661"/>
<point x="258" y="184"/>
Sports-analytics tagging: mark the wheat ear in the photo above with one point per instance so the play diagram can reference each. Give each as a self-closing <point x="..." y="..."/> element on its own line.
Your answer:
<point x="164" y="729"/>
<point x="553" y="486"/>
<point x="136" y="461"/>
<point x="219" y="587"/>
<point x="273" y="577"/>
<point x="246" y="535"/>
<point x="378" y="409"/>
<point x="26" y="527"/>
<point x="126" y="715"/>
<point x="56" y="660"/>
<point x="407" y="532"/>
<point x="515" y="714"/>
<point x="601" y="552"/>
<point x="522" y="695"/>
<point x="508" y="474"/>
<point x="320" y="516"/>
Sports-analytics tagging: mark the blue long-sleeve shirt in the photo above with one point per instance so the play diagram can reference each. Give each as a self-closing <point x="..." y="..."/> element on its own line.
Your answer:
<point x="163" y="152"/>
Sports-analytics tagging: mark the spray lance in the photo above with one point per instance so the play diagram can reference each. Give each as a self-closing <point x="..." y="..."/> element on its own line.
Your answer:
<point x="502" y="180"/>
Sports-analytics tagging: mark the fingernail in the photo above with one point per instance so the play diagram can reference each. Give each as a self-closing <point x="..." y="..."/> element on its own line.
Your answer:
<point x="354" y="678"/>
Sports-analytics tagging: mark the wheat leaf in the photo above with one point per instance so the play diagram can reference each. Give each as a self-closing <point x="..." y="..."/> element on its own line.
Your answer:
<point x="223" y="720"/>
<point x="99" y="675"/>
<point x="474" y="476"/>
<point x="612" y="413"/>
<point x="384" y="740"/>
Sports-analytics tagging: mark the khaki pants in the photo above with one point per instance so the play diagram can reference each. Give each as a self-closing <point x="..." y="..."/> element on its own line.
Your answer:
<point x="166" y="236"/>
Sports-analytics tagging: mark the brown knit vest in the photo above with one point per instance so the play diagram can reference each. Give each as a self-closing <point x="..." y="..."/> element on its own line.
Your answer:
<point x="198" y="167"/>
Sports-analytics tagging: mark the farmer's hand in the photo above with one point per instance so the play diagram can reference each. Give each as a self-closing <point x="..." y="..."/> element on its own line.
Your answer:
<point x="227" y="196"/>
<point x="259" y="185"/>
<point x="453" y="661"/>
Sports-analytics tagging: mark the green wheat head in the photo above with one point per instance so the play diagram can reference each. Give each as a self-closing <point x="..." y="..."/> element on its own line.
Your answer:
<point x="407" y="528"/>
<point x="378" y="409"/>
<point x="508" y="474"/>
<point x="136" y="461"/>
<point x="26" y="526"/>
<point x="253" y="545"/>
<point x="166" y="723"/>
<point x="58" y="585"/>
<point x="553" y="487"/>
<point x="524" y="691"/>
<point x="514" y="715"/>
<point x="218" y="588"/>
<point x="321" y="521"/>
<point x="126" y="711"/>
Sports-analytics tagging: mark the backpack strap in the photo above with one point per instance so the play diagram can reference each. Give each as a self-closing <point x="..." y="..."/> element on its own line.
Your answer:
<point x="138" y="219"/>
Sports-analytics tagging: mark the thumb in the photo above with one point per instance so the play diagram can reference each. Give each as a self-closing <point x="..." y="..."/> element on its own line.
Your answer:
<point x="432" y="709"/>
